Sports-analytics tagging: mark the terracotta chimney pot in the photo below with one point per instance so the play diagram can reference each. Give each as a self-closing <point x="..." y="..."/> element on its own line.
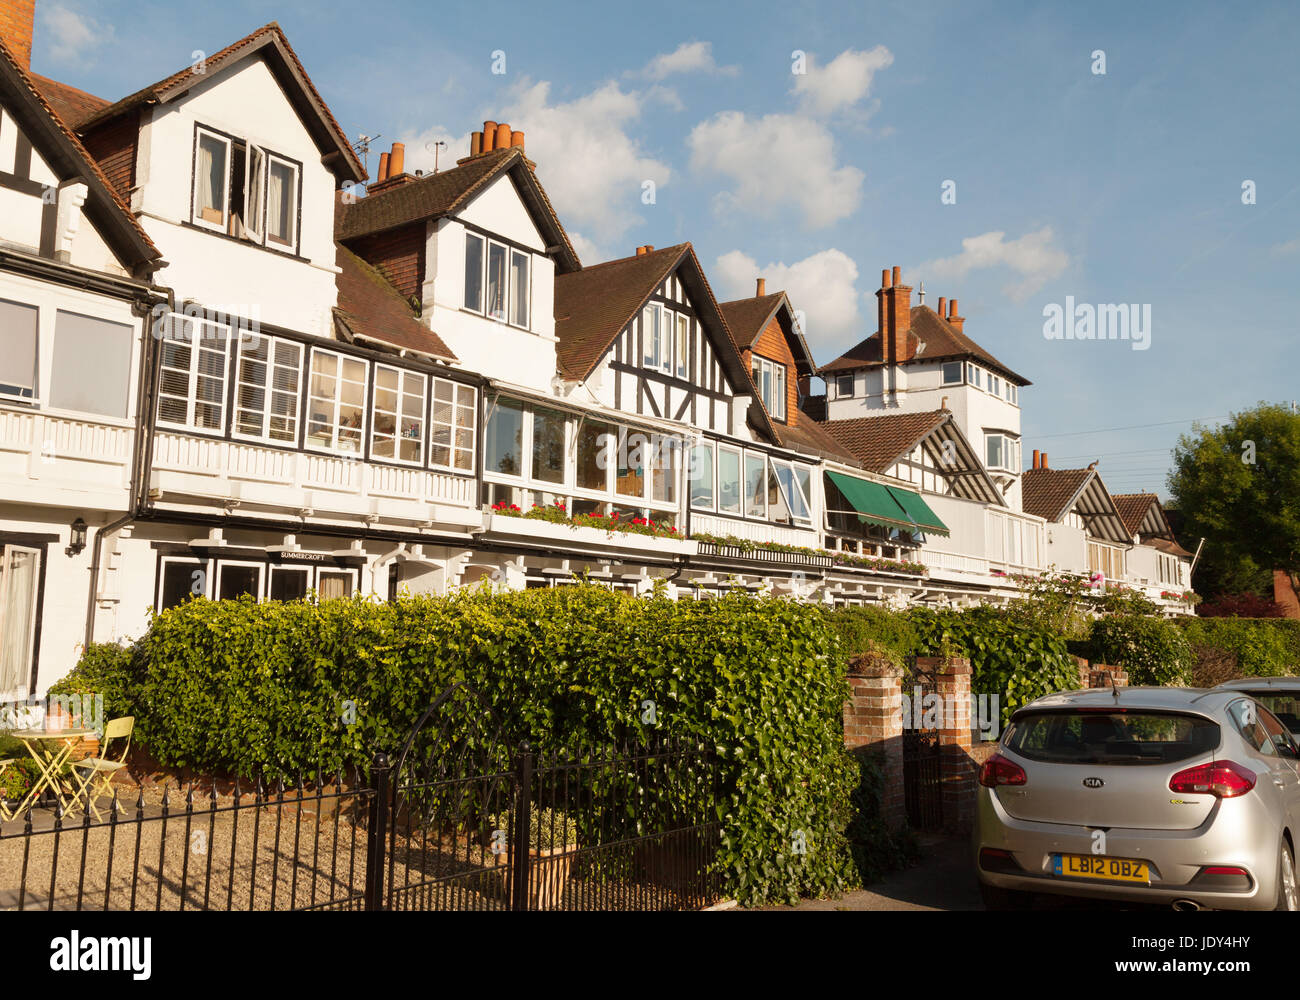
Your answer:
<point x="943" y="304"/>
<point x="383" y="168"/>
<point x="1043" y="459"/>
<point x="898" y="275"/>
<point x="649" y="248"/>
<point x="884" y="278"/>
<point x="761" y="289"/>
<point x="397" y="161"/>
<point x="640" y="251"/>
<point x="517" y="139"/>
<point x="1035" y="458"/>
<point x="952" y="307"/>
<point x="489" y="136"/>
<point x="475" y="143"/>
<point x="503" y="137"/>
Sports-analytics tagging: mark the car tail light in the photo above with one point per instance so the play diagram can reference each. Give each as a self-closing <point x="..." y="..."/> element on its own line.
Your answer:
<point x="1223" y="779"/>
<point x="997" y="770"/>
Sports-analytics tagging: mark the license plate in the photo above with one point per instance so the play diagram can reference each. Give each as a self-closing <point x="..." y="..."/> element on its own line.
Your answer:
<point x="1096" y="866"/>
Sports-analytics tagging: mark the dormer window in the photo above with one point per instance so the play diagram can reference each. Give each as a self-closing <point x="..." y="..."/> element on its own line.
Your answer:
<point x="843" y="386"/>
<point x="1002" y="451"/>
<point x="502" y="273"/>
<point x="245" y="191"/>
<point x="769" y="379"/>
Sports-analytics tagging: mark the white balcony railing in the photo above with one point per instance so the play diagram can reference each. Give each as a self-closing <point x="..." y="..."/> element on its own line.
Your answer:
<point x="754" y="531"/>
<point x="60" y="459"/>
<point x="187" y="466"/>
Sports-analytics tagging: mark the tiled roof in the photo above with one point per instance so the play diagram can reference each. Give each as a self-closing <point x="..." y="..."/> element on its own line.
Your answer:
<point x="940" y="339"/>
<point x="809" y="436"/>
<point x="74" y="106"/>
<point x="444" y="193"/>
<point x="593" y="305"/>
<point x="1133" y="508"/>
<point x="269" y="34"/>
<point x="878" y="442"/>
<point x="85" y="164"/>
<point x="370" y="307"/>
<point x="1047" y="493"/>
<point x="747" y="318"/>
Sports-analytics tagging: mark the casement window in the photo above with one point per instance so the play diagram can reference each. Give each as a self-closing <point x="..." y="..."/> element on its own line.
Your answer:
<point x="497" y="281"/>
<point x="267" y="389"/>
<point x="596" y="445"/>
<point x="683" y="345"/>
<point x="397" y="416"/>
<point x="651" y="320"/>
<point x="663" y="471"/>
<point x="474" y="245"/>
<point x="755" y="485"/>
<point x="504" y="441"/>
<point x="1001" y="451"/>
<point x="1106" y="559"/>
<point x="455" y="425"/>
<point x="243" y="190"/>
<point x="336" y="402"/>
<point x="548" y="445"/>
<point x="729" y="484"/>
<point x="995" y="385"/>
<point x="951" y="372"/>
<point x="769" y="378"/>
<point x="181" y="579"/>
<point x="20" y="576"/>
<point x="630" y="461"/>
<point x="701" y="476"/>
<point x="843" y="386"/>
<point x="976" y="376"/>
<point x="790" y="492"/>
<point x="239" y="579"/>
<point x="192" y="381"/>
<point x="20" y="334"/>
<point x="91" y="370"/>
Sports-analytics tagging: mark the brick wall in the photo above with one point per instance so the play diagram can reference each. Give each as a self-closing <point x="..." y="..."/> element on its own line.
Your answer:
<point x="398" y="255"/>
<point x="17" y="18"/>
<point x="114" y="147"/>
<point x="956" y="766"/>
<point x="873" y="722"/>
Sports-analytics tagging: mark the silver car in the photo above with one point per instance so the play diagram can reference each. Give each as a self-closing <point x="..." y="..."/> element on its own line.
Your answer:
<point x="1180" y="796"/>
<point x="1280" y="695"/>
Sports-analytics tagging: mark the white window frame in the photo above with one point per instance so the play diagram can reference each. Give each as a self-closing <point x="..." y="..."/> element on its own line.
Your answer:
<point x="482" y="264"/>
<point x="455" y="427"/>
<point x="266" y="239"/>
<point x="196" y="342"/>
<point x="402" y="396"/>
<point x="683" y="346"/>
<point x="5" y="549"/>
<point x="652" y="317"/>
<point x="348" y="571"/>
<point x="943" y="372"/>
<point x="195" y="562"/>
<point x="512" y="292"/>
<point x="740" y="486"/>
<point x="505" y="279"/>
<point x="35" y="397"/>
<point x="712" y="448"/>
<point x="307" y="571"/>
<point x="777" y="466"/>
<point x="268" y="387"/>
<point x="774" y="371"/>
<point x="839" y="393"/>
<point x="196" y="214"/>
<point x="242" y="564"/>
<point x="333" y="447"/>
<point x="744" y="480"/>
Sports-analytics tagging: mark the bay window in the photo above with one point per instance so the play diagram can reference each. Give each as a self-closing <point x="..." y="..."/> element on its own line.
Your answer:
<point x="192" y="380"/>
<point x="595" y="447"/>
<point x="629" y="475"/>
<point x="663" y="474"/>
<point x="336" y="402"/>
<point x="1002" y="451"/>
<point x="455" y="421"/>
<point x="18" y="330"/>
<point x="755" y="485"/>
<point x="729" y="489"/>
<point x="792" y="493"/>
<point x="397" y="416"/>
<point x="503" y="446"/>
<point x="267" y="388"/>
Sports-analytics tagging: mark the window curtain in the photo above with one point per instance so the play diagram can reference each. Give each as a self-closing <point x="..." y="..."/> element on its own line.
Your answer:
<point x="276" y="223"/>
<point x="16" y="609"/>
<point x="210" y="174"/>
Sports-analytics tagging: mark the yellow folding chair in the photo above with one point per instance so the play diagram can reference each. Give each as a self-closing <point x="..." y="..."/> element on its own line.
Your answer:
<point x="95" y="774"/>
<point x="5" y="813"/>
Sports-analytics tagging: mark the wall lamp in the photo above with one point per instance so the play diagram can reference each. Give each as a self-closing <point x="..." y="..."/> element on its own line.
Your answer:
<point x="78" y="538"/>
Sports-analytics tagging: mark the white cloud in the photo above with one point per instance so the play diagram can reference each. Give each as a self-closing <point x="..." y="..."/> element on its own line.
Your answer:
<point x="421" y="154"/>
<point x="1034" y="258"/>
<point x="689" y="57"/>
<point x="842" y="82"/>
<point x="1290" y="246"/>
<point x="822" y="286"/>
<point x="588" y="252"/>
<point x="68" y="35"/>
<point x="594" y="170"/>
<point x="776" y="160"/>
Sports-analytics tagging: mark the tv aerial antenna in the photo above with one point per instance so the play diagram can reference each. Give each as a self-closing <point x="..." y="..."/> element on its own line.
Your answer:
<point x="432" y="146"/>
<point x="362" y="146"/>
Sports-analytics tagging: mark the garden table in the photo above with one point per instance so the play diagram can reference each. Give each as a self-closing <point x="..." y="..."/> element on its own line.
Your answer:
<point x="51" y="749"/>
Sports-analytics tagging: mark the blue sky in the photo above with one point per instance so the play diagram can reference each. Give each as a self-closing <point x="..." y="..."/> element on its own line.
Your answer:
<point x="1122" y="187"/>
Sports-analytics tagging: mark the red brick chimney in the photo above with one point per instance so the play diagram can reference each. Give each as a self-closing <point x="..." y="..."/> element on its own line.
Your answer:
<point x="1036" y="458"/>
<point x="17" y="18"/>
<point x="894" y="316"/>
<point x="760" y="288"/>
<point x="392" y="171"/>
<point x="953" y="319"/>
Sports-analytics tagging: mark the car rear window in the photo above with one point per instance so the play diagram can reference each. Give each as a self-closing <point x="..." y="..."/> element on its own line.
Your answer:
<point x="1284" y="704"/>
<point x="1104" y="737"/>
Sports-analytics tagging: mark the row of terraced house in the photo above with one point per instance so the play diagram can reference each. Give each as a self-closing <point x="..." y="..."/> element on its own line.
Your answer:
<point x="230" y="369"/>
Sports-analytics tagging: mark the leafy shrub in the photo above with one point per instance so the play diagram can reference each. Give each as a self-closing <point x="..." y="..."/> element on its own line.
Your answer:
<point x="1152" y="650"/>
<point x="104" y="669"/>
<point x="871" y="629"/>
<point x="1011" y="658"/>
<point x="1264" y="647"/>
<point x="1241" y="606"/>
<point x="877" y="850"/>
<point x="241" y="687"/>
<point x="1213" y="666"/>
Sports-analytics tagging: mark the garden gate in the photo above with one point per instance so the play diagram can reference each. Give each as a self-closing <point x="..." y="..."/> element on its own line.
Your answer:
<point x="922" y="777"/>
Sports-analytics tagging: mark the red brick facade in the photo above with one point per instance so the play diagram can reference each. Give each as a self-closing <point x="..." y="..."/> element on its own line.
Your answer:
<point x="17" y="18"/>
<point x="873" y="720"/>
<point x="114" y="147"/>
<point x="398" y="255"/>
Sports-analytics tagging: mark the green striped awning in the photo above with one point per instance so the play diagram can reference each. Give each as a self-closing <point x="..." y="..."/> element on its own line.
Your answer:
<point x="873" y="502"/>
<point x="918" y="511"/>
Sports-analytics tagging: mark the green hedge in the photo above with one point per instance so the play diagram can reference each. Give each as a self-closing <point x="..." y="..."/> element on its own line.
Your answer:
<point x="1264" y="647"/>
<point x="240" y="687"/>
<point x="1153" y="650"/>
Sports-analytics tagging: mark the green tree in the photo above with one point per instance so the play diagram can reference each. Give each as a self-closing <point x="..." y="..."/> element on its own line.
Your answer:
<point x="1238" y="486"/>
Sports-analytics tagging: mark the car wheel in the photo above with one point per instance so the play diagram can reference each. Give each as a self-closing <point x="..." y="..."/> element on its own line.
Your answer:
<point x="996" y="898"/>
<point x="1288" y="898"/>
